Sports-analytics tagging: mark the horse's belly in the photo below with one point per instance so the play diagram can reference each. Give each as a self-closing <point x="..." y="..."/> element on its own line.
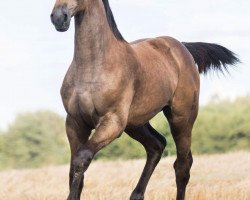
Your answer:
<point x="139" y="119"/>
<point x="145" y="109"/>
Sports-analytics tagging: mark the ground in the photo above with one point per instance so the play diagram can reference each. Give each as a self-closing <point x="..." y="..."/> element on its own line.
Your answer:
<point x="222" y="177"/>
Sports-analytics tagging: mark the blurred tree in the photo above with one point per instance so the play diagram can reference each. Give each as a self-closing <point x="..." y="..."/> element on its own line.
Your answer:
<point x="223" y="126"/>
<point x="34" y="139"/>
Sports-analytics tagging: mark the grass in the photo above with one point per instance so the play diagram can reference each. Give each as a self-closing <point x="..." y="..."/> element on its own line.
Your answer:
<point x="223" y="177"/>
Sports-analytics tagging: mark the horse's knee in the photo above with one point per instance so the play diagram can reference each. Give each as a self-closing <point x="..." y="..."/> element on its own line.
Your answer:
<point x="160" y="147"/>
<point x="155" y="150"/>
<point x="82" y="160"/>
<point x="162" y="144"/>
<point x="159" y="142"/>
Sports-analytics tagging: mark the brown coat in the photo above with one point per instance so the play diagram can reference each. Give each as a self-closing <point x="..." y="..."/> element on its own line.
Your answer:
<point x="113" y="86"/>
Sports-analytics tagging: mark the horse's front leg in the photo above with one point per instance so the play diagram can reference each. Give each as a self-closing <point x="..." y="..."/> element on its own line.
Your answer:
<point x="110" y="127"/>
<point x="78" y="135"/>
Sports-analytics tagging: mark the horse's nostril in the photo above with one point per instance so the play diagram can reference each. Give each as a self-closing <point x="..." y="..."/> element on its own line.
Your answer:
<point x="52" y="15"/>
<point x="65" y="17"/>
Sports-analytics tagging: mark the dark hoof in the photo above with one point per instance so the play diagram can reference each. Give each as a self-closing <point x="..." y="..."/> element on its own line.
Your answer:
<point x="136" y="196"/>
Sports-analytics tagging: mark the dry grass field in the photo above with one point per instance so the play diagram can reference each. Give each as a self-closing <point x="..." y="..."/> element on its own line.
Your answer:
<point x="223" y="177"/>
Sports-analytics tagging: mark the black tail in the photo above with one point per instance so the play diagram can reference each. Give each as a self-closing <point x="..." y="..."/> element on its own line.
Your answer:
<point x="211" y="56"/>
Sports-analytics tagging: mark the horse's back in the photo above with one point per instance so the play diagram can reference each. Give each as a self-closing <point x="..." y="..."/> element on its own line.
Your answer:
<point x="168" y="48"/>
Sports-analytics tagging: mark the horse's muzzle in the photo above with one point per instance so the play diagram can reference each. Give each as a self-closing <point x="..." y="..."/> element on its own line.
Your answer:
<point x="61" y="17"/>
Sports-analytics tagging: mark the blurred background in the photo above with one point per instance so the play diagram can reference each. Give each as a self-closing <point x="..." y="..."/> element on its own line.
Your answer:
<point x="34" y="59"/>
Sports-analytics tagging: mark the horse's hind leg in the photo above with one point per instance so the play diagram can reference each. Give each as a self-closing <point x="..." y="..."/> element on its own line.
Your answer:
<point x="181" y="116"/>
<point x="154" y="144"/>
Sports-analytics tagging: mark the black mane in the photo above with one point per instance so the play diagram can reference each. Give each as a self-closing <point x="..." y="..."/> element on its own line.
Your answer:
<point x="111" y="21"/>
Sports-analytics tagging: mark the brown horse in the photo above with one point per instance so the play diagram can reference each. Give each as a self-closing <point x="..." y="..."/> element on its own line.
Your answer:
<point x="114" y="86"/>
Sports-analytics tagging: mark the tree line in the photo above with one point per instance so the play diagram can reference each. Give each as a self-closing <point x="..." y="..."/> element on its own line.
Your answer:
<point x="38" y="139"/>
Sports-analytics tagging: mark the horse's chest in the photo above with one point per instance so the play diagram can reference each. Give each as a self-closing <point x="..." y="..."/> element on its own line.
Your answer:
<point x="87" y="102"/>
<point x="80" y="102"/>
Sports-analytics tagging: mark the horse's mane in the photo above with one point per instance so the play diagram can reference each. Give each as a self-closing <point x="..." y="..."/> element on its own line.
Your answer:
<point x="111" y="21"/>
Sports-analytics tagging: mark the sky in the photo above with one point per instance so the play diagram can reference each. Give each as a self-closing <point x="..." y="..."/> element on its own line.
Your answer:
<point x="34" y="57"/>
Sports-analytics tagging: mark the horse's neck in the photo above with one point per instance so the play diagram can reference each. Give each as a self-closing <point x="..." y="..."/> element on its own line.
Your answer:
<point x="92" y="38"/>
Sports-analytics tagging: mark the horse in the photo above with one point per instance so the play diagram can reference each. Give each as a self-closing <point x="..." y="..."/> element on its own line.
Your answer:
<point x="113" y="86"/>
